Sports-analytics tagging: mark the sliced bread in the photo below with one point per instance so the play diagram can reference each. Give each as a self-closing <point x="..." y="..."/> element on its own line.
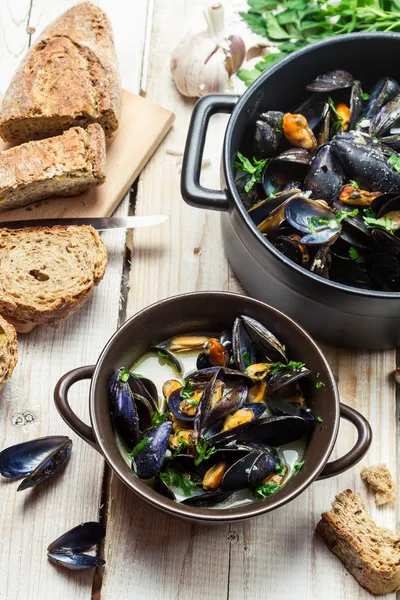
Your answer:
<point x="8" y="350"/>
<point x="48" y="273"/>
<point x="69" y="77"/>
<point x="380" y="480"/>
<point x="370" y="553"/>
<point x="64" y="165"/>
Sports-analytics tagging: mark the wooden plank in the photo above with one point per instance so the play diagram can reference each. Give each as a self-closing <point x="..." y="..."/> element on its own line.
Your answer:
<point x="31" y="519"/>
<point x="150" y="553"/>
<point x="14" y="38"/>
<point x="142" y="127"/>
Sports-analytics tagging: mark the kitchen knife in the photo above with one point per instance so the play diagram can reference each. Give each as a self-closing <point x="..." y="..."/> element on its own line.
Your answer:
<point x="99" y="223"/>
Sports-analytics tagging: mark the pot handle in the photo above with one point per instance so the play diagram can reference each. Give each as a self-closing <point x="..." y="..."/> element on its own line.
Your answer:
<point x="359" y="449"/>
<point x="192" y="192"/>
<point x="61" y="401"/>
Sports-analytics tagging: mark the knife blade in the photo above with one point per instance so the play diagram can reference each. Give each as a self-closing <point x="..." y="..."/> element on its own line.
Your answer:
<point x="99" y="223"/>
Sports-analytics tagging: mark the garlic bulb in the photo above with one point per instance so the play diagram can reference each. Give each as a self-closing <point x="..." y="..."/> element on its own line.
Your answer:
<point x="202" y="63"/>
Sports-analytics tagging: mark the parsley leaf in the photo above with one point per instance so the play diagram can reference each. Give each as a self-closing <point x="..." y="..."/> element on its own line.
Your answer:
<point x="365" y="95"/>
<point x="319" y="384"/>
<point x="187" y="391"/>
<point x="355" y="255"/>
<point x="385" y="222"/>
<point x="320" y="420"/>
<point x="297" y="467"/>
<point x="124" y="375"/>
<point x="394" y="160"/>
<point x="163" y="354"/>
<point x="246" y="359"/>
<point x="339" y="119"/>
<point x="158" y="418"/>
<point x="204" y="451"/>
<point x="266" y="489"/>
<point x="181" y="445"/>
<point x="144" y="442"/>
<point x="344" y="214"/>
<point x="280" y="366"/>
<point x="179" y="480"/>
<point x="280" y="469"/>
<point x="254" y="169"/>
<point x="354" y="183"/>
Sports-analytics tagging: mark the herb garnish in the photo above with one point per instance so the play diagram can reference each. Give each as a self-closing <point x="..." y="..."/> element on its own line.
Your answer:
<point x="319" y="419"/>
<point x="280" y="469"/>
<point x="355" y="255"/>
<point x="187" y="391"/>
<point x="181" y="445"/>
<point x="384" y="222"/>
<point x="297" y="467"/>
<point x="254" y="170"/>
<point x="344" y="214"/>
<point x="163" y="354"/>
<point x="246" y="358"/>
<point x="394" y="160"/>
<point x="192" y="402"/>
<point x="158" y="418"/>
<point x="319" y="385"/>
<point x="144" y="442"/>
<point x="266" y="489"/>
<point x="124" y="375"/>
<point x="364" y="95"/>
<point x="296" y="23"/>
<point x="204" y="451"/>
<point x="179" y="480"/>
<point x="280" y="366"/>
<point x="354" y="183"/>
<point x="339" y="119"/>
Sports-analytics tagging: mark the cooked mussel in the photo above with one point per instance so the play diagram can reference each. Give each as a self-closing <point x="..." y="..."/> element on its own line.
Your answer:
<point x="68" y="550"/>
<point x="312" y="218"/>
<point x="325" y="176"/>
<point x="249" y="471"/>
<point x="148" y="460"/>
<point x="268" y="133"/>
<point x="330" y="81"/>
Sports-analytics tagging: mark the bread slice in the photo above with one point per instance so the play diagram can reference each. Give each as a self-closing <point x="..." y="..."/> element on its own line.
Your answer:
<point x="370" y="553"/>
<point x="48" y="273"/>
<point x="8" y="350"/>
<point x="64" y="165"/>
<point x="69" y="77"/>
<point x="380" y="480"/>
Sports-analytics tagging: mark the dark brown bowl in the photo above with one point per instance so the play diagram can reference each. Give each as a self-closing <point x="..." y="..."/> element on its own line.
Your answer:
<point x="208" y="311"/>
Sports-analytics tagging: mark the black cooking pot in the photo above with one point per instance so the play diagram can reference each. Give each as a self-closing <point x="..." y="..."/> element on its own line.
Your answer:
<point x="332" y="312"/>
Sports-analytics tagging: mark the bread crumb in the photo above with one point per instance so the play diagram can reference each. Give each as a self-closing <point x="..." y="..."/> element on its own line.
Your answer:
<point x="380" y="480"/>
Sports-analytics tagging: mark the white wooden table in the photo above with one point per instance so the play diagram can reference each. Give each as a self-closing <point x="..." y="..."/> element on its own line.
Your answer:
<point x="150" y="556"/>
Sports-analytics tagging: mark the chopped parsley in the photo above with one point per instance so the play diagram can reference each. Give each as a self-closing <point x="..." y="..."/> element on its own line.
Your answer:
<point x="343" y="214"/>
<point x="158" y="418"/>
<point x="204" y="451"/>
<point x="192" y="402"/>
<point x="124" y="375"/>
<point x="339" y="119"/>
<point x="280" y="469"/>
<point x="394" y="160"/>
<point x="254" y="169"/>
<point x="144" y="442"/>
<point x="297" y="467"/>
<point x="315" y="222"/>
<point x="365" y="95"/>
<point x="246" y="359"/>
<point x="179" y="480"/>
<point x="354" y="183"/>
<point x="181" y="445"/>
<point x="280" y="366"/>
<point x="319" y="385"/>
<point x="187" y="391"/>
<point x="384" y="222"/>
<point x="267" y="489"/>
<point x="163" y="354"/>
<point x="355" y="255"/>
<point x="320" y="420"/>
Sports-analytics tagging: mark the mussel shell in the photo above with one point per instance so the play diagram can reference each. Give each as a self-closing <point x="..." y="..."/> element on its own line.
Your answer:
<point x="229" y="403"/>
<point x="264" y="340"/>
<point x="333" y="80"/>
<point x="174" y="401"/>
<point x="226" y="340"/>
<point x="386" y="117"/>
<point x="243" y="350"/>
<point x="211" y="498"/>
<point x="348" y="272"/>
<point x="144" y="410"/>
<point x="76" y="562"/>
<point x="299" y="156"/>
<point x="22" y="459"/>
<point x="325" y="176"/>
<point x="384" y="271"/>
<point x="392" y="140"/>
<point x="79" y="539"/>
<point x="314" y="109"/>
<point x="382" y="92"/>
<point x="169" y="357"/>
<point x="202" y="361"/>
<point x="284" y="377"/>
<point x="253" y="196"/>
<point x="364" y="162"/>
<point x="356" y="104"/>
<point x="268" y="133"/>
<point x="281" y="406"/>
<point x="379" y="203"/>
<point x="300" y="212"/>
<point x="355" y="232"/>
<point x="258" y="409"/>
<point x="273" y="431"/>
<point x="162" y="488"/>
<point x="291" y="249"/>
<point x="49" y="465"/>
<point x="263" y="209"/>
<point x="322" y="262"/>
<point x="249" y="471"/>
<point x="124" y="414"/>
<point x="203" y="409"/>
<point x="392" y="204"/>
<point x="387" y="241"/>
<point x="149" y="460"/>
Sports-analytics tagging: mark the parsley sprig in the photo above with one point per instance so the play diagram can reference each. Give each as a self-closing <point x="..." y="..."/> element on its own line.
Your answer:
<point x="144" y="442"/>
<point x="296" y="23"/>
<point x="267" y="489"/>
<point x="179" y="480"/>
<point x="384" y="222"/>
<point x="355" y="255"/>
<point x="204" y="451"/>
<point x="157" y="418"/>
<point x="254" y="169"/>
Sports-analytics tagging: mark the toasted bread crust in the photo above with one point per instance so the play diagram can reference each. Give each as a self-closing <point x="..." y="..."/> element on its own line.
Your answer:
<point x="69" y="77"/>
<point x="48" y="274"/>
<point x="369" y="552"/>
<point x="380" y="480"/>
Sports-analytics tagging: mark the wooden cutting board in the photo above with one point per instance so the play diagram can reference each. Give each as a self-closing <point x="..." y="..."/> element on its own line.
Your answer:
<point x="143" y="126"/>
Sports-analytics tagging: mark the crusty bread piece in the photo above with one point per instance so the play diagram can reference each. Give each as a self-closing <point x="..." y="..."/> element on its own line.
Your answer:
<point x="48" y="273"/>
<point x="64" y="165"/>
<point x="380" y="480"/>
<point x="370" y="553"/>
<point x="69" y="77"/>
<point x="8" y="350"/>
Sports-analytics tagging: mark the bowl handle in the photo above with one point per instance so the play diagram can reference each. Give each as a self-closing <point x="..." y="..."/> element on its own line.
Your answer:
<point x="192" y="192"/>
<point x="61" y="401"/>
<point x="359" y="449"/>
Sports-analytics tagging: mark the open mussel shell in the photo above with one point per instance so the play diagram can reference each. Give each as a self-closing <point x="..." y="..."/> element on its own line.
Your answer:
<point x="22" y="459"/>
<point x="148" y="461"/>
<point x="244" y="351"/>
<point x="49" y="465"/>
<point x="392" y="140"/>
<point x="76" y="562"/>
<point x="249" y="471"/>
<point x="382" y="92"/>
<point x="325" y="176"/>
<point x="124" y="413"/>
<point x="378" y="205"/>
<point x="318" y="222"/>
<point x="212" y="498"/>
<point x="285" y="407"/>
<point x="364" y="161"/>
<point x="273" y="431"/>
<point x="386" y="240"/>
<point x="284" y="377"/>
<point x="384" y="271"/>
<point x="264" y="340"/>
<point x="386" y="117"/>
<point x="166" y="355"/>
<point x="174" y="402"/>
<point x="356" y="104"/>
<point x="263" y="209"/>
<point x="204" y="407"/>
<point x="314" y="109"/>
<point x="292" y="248"/>
<point x="138" y="385"/>
<point x="79" y="539"/>
<point x="333" y="80"/>
<point x="229" y="403"/>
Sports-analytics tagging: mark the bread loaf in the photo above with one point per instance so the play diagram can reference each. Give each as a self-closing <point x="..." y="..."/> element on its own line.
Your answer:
<point x="48" y="273"/>
<point x="64" y="165"/>
<point x="370" y="553"/>
<point x="69" y="77"/>
<point x="8" y="350"/>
